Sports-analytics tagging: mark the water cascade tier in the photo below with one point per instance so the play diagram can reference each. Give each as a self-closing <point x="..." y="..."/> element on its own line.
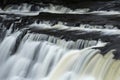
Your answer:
<point x="50" y="41"/>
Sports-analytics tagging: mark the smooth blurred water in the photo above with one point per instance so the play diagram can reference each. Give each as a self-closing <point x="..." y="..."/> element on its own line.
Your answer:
<point x="45" y="57"/>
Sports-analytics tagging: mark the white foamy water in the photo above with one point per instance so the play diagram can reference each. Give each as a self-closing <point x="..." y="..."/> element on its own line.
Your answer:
<point x="78" y="44"/>
<point x="62" y="9"/>
<point x="7" y="46"/>
<point x="45" y="57"/>
<point x="62" y="25"/>
<point x="41" y="57"/>
<point x="25" y="9"/>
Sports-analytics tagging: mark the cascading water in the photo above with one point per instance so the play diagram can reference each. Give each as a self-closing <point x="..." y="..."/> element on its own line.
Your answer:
<point x="32" y="54"/>
<point x="39" y="58"/>
<point x="46" y="55"/>
<point x="7" y="46"/>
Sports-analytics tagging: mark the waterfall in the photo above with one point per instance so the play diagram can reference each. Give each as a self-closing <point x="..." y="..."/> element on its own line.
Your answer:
<point x="33" y="49"/>
<point x="32" y="54"/>
<point x="40" y="57"/>
<point x="7" y="46"/>
<point x="45" y="57"/>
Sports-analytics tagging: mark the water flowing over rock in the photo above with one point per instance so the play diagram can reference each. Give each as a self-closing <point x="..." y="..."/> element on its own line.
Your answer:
<point x="56" y="40"/>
